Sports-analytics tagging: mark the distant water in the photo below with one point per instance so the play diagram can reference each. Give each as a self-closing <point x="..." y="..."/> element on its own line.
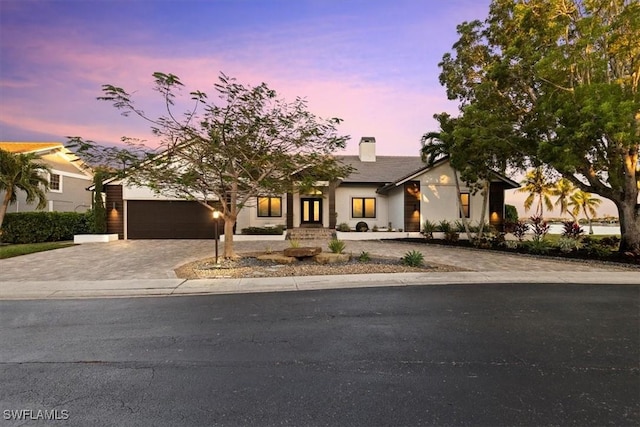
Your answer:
<point x="597" y="229"/>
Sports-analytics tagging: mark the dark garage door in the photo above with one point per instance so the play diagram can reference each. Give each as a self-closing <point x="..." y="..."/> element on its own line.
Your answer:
<point x="152" y="219"/>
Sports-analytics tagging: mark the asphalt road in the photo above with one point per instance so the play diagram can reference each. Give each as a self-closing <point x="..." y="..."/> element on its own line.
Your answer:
<point x="439" y="355"/>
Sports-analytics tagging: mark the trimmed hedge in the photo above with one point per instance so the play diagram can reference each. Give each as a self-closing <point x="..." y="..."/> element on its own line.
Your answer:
<point x="277" y="230"/>
<point x="37" y="227"/>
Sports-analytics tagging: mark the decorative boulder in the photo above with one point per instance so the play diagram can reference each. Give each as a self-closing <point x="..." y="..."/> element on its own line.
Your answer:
<point x="277" y="258"/>
<point x="331" y="258"/>
<point x="304" y="252"/>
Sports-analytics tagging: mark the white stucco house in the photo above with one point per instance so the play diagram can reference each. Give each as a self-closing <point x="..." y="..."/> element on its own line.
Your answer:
<point x="398" y="192"/>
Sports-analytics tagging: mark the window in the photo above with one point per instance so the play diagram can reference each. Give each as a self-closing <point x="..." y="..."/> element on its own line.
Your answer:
<point x="363" y="207"/>
<point x="465" y="201"/>
<point x="269" y="206"/>
<point x="55" y="182"/>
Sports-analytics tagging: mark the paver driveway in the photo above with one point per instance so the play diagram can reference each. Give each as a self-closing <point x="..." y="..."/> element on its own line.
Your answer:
<point x="156" y="259"/>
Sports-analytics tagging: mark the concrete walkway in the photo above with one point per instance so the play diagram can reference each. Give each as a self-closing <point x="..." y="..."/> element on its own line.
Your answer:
<point x="145" y="267"/>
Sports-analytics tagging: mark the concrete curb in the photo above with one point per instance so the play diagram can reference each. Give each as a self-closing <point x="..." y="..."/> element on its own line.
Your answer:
<point x="182" y="287"/>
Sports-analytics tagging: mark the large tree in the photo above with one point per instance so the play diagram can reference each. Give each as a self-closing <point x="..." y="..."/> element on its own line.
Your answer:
<point x="565" y="75"/>
<point x="224" y="154"/>
<point x="22" y="172"/>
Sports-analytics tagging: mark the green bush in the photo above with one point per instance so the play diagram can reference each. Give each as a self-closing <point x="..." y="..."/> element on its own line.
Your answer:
<point x="428" y="227"/>
<point x="364" y="257"/>
<point x="37" y="227"/>
<point x="336" y="246"/>
<point x="343" y="227"/>
<point x="413" y="259"/>
<point x="277" y="230"/>
<point x="444" y="226"/>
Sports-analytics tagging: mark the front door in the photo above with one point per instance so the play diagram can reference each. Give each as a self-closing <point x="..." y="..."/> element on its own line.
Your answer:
<point x="311" y="212"/>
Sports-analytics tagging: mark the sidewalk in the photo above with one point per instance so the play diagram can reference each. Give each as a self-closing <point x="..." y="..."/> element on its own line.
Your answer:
<point x="145" y="268"/>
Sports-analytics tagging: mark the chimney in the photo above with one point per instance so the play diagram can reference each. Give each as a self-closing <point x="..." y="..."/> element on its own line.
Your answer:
<point x="367" y="148"/>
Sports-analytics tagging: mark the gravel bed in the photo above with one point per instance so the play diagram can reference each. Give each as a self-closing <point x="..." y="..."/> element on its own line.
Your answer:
<point x="248" y="266"/>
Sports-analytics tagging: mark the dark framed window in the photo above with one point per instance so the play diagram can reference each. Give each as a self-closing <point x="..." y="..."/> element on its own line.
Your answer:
<point x="465" y="201"/>
<point x="55" y="182"/>
<point x="363" y="207"/>
<point x="269" y="206"/>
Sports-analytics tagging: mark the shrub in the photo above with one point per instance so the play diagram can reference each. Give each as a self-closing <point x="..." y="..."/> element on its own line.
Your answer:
<point x="451" y="236"/>
<point x="375" y="228"/>
<point x="571" y="230"/>
<point x="293" y="243"/>
<point x="362" y="226"/>
<point x="278" y="229"/>
<point x="519" y="229"/>
<point x="336" y="246"/>
<point x="428" y="227"/>
<point x="444" y="226"/>
<point x="538" y="247"/>
<point x="413" y="259"/>
<point x="459" y="226"/>
<point x="540" y="228"/>
<point x="567" y="244"/>
<point x="510" y="213"/>
<point x="611" y="242"/>
<point x="364" y="257"/>
<point x="343" y="227"/>
<point x="37" y="227"/>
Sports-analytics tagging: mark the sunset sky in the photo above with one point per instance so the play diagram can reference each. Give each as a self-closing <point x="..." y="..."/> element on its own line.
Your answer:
<point x="372" y="63"/>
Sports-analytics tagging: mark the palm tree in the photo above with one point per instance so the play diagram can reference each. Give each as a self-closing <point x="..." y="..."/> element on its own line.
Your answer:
<point x="582" y="200"/>
<point x="536" y="184"/>
<point x="563" y="190"/>
<point x="20" y="172"/>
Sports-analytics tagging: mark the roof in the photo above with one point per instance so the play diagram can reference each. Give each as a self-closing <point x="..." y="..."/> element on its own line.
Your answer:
<point x="384" y="170"/>
<point x="391" y="171"/>
<point x="44" y="149"/>
<point x="29" y="147"/>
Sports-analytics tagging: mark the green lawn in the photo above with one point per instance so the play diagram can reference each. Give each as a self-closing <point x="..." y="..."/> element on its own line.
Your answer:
<point x="8" y="251"/>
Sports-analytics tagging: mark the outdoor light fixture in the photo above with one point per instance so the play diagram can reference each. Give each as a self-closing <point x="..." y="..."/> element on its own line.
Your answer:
<point x="216" y="215"/>
<point x="114" y="206"/>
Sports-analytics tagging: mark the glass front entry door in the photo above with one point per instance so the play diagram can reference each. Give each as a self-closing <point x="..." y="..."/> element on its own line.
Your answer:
<point x="311" y="211"/>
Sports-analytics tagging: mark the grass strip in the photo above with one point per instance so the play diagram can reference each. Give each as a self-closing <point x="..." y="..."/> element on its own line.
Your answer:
<point x="9" y="251"/>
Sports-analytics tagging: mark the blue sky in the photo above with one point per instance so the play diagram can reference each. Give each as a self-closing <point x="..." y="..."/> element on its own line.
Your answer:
<point x="371" y="63"/>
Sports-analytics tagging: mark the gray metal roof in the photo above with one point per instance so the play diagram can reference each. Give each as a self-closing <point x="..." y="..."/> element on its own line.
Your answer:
<point x="384" y="170"/>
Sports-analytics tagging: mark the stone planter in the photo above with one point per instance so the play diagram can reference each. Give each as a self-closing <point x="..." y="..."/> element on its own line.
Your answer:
<point x="94" y="238"/>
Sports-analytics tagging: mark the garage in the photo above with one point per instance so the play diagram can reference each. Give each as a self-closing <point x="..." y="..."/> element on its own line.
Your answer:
<point x="163" y="219"/>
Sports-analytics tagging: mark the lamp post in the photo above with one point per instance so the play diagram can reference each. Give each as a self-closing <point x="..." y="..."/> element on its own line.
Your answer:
<point x="216" y="215"/>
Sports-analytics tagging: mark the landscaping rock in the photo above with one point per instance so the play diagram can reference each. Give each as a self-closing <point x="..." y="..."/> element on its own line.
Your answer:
<point x="330" y="258"/>
<point x="277" y="258"/>
<point x="303" y="252"/>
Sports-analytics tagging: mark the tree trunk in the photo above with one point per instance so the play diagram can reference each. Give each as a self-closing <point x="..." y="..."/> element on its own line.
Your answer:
<point x="5" y="205"/>
<point x="229" y="222"/>
<point x="629" y="215"/>
<point x="485" y="203"/>
<point x="465" y="223"/>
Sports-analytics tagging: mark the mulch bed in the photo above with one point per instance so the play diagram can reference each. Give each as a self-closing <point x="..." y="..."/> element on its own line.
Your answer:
<point x="248" y="266"/>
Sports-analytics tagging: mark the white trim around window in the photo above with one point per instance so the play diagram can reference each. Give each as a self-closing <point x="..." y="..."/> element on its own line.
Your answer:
<point x="55" y="182"/>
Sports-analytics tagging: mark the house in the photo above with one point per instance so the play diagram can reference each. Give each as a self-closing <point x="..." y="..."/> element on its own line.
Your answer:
<point x="68" y="180"/>
<point x="398" y="192"/>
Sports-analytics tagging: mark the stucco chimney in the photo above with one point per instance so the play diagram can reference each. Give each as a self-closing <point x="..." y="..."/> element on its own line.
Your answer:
<point x="367" y="149"/>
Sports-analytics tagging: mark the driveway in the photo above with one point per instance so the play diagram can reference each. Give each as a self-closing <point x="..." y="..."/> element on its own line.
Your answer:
<point x="156" y="259"/>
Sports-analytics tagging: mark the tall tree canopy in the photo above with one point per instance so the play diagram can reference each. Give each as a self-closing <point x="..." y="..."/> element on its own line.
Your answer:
<point x="249" y="143"/>
<point x="561" y="76"/>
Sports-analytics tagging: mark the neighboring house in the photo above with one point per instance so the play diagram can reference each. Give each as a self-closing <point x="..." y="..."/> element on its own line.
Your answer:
<point x="398" y="192"/>
<point x="68" y="180"/>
